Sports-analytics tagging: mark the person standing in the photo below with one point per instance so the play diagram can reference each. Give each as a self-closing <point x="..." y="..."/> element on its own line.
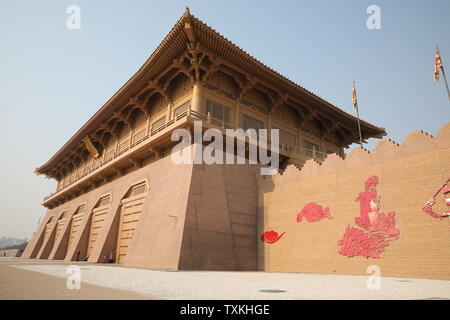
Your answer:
<point x="111" y="257"/>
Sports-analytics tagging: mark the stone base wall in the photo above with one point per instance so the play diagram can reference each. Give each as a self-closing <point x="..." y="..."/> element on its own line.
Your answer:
<point x="220" y="229"/>
<point x="154" y="244"/>
<point x="8" y="253"/>
<point x="195" y="217"/>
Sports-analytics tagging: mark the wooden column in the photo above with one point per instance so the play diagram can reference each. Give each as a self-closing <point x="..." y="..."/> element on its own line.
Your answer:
<point x="147" y="128"/>
<point x="130" y="137"/>
<point x="196" y="98"/>
<point x="84" y="167"/>
<point x="299" y="134"/>
<point x="169" y="110"/>
<point x="237" y="116"/>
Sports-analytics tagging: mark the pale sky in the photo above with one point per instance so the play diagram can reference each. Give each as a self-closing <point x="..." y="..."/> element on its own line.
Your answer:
<point x="54" y="79"/>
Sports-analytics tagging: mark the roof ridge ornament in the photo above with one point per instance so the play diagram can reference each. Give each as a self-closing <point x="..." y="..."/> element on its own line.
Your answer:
<point x="187" y="18"/>
<point x="187" y="12"/>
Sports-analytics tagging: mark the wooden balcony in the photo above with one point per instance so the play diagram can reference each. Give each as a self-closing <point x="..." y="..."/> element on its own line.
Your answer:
<point x="154" y="144"/>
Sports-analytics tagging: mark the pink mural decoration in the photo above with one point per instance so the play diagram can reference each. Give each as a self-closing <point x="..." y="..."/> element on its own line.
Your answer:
<point x="357" y="242"/>
<point x="428" y="208"/>
<point x="271" y="236"/>
<point x="313" y="212"/>
<point x="378" y="228"/>
<point x="370" y="218"/>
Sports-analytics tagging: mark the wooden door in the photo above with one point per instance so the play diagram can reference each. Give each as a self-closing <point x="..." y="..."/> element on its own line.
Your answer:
<point x="98" y="220"/>
<point x="59" y="229"/>
<point x="48" y="229"/>
<point x="74" y="227"/>
<point x="130" y="211"/>
<point x="129" y="217"/>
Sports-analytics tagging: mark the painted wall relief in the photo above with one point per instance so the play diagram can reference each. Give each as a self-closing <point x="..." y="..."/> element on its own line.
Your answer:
<point x="271" y="236"/>
<point x="313" y="212"/>
<point x="428" y="208"/>
<point x="375" y="230"/>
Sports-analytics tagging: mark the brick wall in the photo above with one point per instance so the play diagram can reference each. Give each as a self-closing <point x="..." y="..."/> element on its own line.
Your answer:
<point x="409" y="175"/>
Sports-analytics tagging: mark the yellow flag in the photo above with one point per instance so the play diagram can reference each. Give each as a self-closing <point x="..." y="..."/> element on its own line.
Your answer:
<point x="437" y="66"/>
<point x="354" y="99"/>
<point x="90" y="146"/>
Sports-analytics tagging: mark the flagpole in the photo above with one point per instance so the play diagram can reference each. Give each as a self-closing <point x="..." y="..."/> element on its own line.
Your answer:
<point x="443" y="72"/>
<point x="359" y="128"/>
<point x="357" y="113"/>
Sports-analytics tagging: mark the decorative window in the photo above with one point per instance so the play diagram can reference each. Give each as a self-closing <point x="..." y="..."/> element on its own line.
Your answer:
<point x="96" y="163"/>
<point x="158" y="124"/>
<point x="138" y="118"/>
<point x="139" y="135"/>
<point x="181" y="109"/>
<point x="251" y="123"/>
<point x="104" y="202"/>
<point x="73" y="175"/>
<point x="109" y="155"/>
<point x="218" y="111"/>
<point x="138" y="189"/>
<point x="309" y="147"/>
<point x="287" y="138"/>
<point x="81" y="209"/>
<point x="122" y="146"/>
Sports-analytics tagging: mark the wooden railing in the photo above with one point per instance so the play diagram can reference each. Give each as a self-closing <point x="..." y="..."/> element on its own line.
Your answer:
<point x="193" y="115"/>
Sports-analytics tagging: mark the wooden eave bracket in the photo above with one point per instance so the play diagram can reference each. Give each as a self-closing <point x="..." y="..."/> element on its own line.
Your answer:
<point x="157" y="152"/>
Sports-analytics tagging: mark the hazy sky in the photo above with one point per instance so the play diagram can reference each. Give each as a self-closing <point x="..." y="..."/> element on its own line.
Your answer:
<point x="52" y="79"/>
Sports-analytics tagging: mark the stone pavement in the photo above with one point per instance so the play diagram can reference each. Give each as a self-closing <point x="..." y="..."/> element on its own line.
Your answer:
<point x="18" y="284"/>
<point x="43" y="279"/>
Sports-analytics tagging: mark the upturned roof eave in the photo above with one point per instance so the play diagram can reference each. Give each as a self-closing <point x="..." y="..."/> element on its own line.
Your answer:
<point x="85" y="129"/>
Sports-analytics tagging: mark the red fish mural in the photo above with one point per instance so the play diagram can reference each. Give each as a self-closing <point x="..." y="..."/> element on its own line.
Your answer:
<point x="313" y="212"/>
<point x="271" y="236"/>
<point x="428" y="208"/>
<point x="379" y="227"/>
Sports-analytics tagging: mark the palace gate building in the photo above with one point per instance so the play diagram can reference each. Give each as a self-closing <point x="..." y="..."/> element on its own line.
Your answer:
<point x="118" y="192"/>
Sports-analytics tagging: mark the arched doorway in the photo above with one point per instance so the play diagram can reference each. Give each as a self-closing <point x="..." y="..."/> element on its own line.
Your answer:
<point x="76" y="220"/>
<point x="130" y="210"/>
<point x="59" y="226"/>
<point x="48" y="229"/>
<point x="98" y="220"/>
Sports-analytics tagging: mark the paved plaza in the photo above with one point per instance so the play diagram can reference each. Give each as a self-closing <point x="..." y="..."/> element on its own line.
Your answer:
<point x="43" y="279"/>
